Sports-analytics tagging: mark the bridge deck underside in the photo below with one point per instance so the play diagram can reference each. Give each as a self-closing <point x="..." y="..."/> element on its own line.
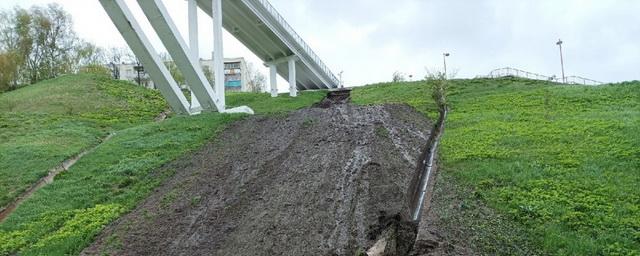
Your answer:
<point x="257" y="36"/>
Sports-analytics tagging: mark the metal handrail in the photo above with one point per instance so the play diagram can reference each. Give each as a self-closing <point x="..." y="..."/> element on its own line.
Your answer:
<point x="508" y="71"/>
<point x="298" y="39"/>
<point x="585" y="81"/>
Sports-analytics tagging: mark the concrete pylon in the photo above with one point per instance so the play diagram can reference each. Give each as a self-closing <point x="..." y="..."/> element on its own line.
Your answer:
<point x="218" y="54"/>
<point x="193" y="46"/>
<point x="293" y="87"/>
<point x="273" y="78"/>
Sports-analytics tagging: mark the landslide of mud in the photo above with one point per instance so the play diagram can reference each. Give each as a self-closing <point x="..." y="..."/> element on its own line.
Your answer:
<point x="319" y="181"/>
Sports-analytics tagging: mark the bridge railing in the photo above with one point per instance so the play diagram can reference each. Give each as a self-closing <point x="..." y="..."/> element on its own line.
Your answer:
<point x="582" y="80"/>
<point x="299" y="40"/>
<point x="514" y="72"/>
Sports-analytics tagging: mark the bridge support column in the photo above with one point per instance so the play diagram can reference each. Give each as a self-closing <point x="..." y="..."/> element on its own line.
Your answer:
<point x="293" y="88"/>
<point x="218" y="55"/>
<point x="193" y="45"/>
<point x="132" y="33"/>
<point x="273" y="78"/>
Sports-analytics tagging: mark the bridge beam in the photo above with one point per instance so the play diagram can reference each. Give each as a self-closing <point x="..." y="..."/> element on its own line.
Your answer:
<point x="273" y="72"/>
<point x="281" y="60"/>
<point x="133" y="34"/>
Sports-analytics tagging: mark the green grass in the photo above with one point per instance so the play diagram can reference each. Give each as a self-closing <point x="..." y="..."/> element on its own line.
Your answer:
<point x="262" y="103"/>
<point x="560" y="163"/>
<point x="563" y="162"/>
<point x="43" y="124"/>
<point x="64" y="217"/>
<point x="415" y="94"/>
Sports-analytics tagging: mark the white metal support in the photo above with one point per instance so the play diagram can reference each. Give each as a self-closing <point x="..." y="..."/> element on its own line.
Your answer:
<point x="218" y="55"/>
<point x="161" y="22"/>
<point x="293" y="88"/>
<point x="193" y="45"/>
<point x="270" y="14"/>
<point x="131" y="31"/>
<point x="273" y="78"/>
<point x="255" y="23"/>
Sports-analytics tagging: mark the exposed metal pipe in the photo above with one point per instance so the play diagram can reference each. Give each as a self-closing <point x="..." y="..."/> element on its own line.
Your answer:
<point x="429" y="166"/>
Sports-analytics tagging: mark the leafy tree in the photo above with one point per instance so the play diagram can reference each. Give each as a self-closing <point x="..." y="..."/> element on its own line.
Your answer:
<point x="43" y="44"/>
<point x="54" y="43"/>
<point x="8" y="70"/>
<point x="15" y="43"/>
<point x="208" y="73"/>
<point x="439" y="87"/>
<point x="96" y="69"/>
<point x="88" y="54"/>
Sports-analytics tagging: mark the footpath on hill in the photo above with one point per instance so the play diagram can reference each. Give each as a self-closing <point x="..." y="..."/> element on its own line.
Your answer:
<point x="330" y="180"/>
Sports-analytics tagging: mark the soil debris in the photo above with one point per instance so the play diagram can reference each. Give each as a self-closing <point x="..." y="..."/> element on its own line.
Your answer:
<point x="338" y="96"/>
<point x="320" y="181"/>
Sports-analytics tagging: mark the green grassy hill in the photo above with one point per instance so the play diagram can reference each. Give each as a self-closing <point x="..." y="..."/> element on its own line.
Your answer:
<point x="561" y="163"/>
<point x="43" y="124"/>
<point x="51" y="121"/>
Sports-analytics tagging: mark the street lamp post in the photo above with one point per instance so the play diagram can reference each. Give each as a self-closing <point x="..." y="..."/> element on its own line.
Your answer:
<point x="444" y="59"/>
<point x="559" y="43"/>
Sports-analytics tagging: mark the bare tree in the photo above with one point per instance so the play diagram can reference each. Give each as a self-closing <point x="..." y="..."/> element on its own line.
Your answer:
<point x="116" y="56"/>
<point x="398" y="77"/>
<point x="255" y="79"/>
<point x="173" y="68"/>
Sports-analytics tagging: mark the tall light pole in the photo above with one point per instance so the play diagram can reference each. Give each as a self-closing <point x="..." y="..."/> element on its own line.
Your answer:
<point x="559" y="43"/>
<point x="444" y="59"/>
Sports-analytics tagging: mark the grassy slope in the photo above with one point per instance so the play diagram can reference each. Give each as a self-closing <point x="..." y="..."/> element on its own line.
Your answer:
<point x="561" y="162"/>
<point x="63" y="218"/>
<point x="262" y="103"/>
<point x="564" y="161"/>
<point x="416" y="94"/>
<point x="56" y="119"/>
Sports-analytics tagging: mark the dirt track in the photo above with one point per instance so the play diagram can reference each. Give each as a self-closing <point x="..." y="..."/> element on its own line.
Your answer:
<point x="315" y="182"/>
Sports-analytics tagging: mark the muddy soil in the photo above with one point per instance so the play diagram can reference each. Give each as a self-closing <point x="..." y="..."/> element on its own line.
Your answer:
<point x="319" y="181"/>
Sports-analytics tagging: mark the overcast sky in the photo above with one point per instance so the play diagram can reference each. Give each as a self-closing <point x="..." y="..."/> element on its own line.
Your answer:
<point x="370" y="39"/>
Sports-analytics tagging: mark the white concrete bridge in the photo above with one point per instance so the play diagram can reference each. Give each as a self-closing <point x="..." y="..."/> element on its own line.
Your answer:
<point x="255" y="23"/>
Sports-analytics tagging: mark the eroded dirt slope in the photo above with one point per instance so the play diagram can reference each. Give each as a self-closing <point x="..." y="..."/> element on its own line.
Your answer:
<point x="320" y="181"/>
